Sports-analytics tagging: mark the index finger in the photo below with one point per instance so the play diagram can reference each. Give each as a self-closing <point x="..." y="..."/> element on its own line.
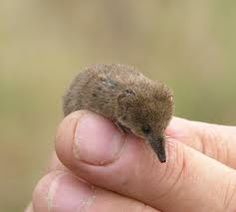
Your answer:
<point x="215" y="141"/>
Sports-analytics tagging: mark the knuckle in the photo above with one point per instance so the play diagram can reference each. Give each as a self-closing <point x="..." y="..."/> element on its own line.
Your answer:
<point x="213" y="144"/>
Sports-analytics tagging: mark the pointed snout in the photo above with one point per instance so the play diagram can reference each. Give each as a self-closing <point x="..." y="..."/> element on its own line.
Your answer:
<point x="158" y="145"/>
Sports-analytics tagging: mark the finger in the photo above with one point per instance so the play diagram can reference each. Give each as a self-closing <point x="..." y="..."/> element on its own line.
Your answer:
<point x="216" y="141"/>
<point x="61" y="191"/>
<point x="95" y="150"/>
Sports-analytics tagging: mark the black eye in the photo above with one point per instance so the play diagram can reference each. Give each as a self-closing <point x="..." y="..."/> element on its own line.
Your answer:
<point x="146" y="129"/>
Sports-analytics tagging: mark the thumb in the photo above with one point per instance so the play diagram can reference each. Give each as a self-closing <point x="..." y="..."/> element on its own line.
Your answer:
<point x="94" y="150"/>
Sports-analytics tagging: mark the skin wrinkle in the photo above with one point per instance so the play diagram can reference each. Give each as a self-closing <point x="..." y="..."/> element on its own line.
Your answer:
<point x="52" y="190"/>
<point x="211" y="139"/>
<point x="230" y="159"/>
<point x="203" y="146"/>
<point x="152" y="163"/>
<point x="226" y="150"/>
<point x="221" y="152"/>
<point x="230" y="196"/>
<point x="165" y="175"/>
<point x="153" y="159"/>
<point x="168" y="167"/>
<point x="227" y="161"/>
<point x="178" y="177"/>
<point x="221" y="148"/>
<point x="224" y="135"/>
<point x="217" y="140"/>
<point x="207" y="134"/>
<point x="88" y="203"/>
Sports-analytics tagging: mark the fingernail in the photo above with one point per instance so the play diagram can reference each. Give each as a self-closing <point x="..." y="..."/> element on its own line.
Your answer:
<point x="68" y="193"/>
<point x="97" y="140"/>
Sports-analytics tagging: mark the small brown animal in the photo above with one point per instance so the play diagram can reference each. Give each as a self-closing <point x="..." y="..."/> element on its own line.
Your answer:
<point x="128" y="98"/>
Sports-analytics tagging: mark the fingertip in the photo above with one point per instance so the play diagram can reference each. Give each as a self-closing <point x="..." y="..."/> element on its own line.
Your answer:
<point x="42" y="200"/>
<point x="88" y="137"/>
<point x="65" y="136"/>
<point x="61" y="191"/>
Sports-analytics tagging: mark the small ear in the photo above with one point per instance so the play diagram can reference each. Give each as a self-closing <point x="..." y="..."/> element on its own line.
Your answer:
<point x="129" y="92"/>
<point x="166" y="95"/>
<point x="125" y="99"/>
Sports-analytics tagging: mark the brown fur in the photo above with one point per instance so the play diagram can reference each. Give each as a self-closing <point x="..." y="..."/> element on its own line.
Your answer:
<point x="126" y="97"/>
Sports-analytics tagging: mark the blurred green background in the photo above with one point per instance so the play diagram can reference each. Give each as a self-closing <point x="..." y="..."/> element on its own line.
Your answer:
<point x="188" y="44"/>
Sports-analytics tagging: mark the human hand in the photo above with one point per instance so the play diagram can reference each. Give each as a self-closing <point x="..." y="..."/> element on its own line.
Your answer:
<point x="102" y="170"/>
